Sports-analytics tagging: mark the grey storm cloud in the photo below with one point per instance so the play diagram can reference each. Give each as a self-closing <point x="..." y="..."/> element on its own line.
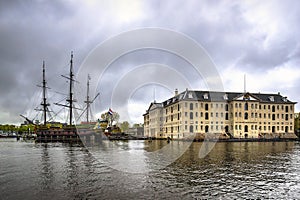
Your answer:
<point x="250" y="37"/>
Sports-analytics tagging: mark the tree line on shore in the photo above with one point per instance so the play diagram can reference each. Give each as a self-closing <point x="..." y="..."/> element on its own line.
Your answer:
<point x="17" y="129"/>
<point x="125" y="125"/>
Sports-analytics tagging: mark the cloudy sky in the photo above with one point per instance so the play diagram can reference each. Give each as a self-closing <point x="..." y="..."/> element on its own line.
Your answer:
<point x="258" y="38"/>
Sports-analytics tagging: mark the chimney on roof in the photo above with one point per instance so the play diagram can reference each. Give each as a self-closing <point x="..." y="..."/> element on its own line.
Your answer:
<point x="176" y="92"/>
<point x="278" y="93"/>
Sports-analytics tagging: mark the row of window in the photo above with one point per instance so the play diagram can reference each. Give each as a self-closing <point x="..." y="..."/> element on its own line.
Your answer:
<point x="265" y="128"/>
<point x="201" y="122"/>
<point x="265" y="107"/>
<point x="193" y="115"/>
<point x="192" y="105"/>
<point x="206" y="106"/>
<point x="254" y="115"/>
<point x="237" y="105"/>
<point x="206" y="115"/>
<point x="246" y="128"/>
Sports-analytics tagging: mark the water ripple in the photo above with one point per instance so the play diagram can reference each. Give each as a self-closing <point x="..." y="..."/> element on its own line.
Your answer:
<point x="229" y="171"/>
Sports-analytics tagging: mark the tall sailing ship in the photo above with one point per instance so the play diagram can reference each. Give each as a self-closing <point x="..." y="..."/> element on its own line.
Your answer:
<point x="53" y="132"/>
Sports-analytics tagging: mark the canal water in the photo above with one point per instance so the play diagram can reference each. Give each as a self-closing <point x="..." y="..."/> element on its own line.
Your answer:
<point x="230" y="170"/>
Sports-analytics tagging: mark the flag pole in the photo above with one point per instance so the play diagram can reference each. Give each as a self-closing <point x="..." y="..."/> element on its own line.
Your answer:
<point x="111" y="120"/>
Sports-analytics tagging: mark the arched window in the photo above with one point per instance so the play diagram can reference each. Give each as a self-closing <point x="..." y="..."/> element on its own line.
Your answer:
<point x="273" y="108"/>
<point x="206" y="128"/>
<point x="226" y="107"/>
<point x="246" y="115"/>
<point x="226" y="116"/>
<point x="206" y="106"/>
<point x="191" y="106"/>
<point x="206" y="116"/>
<point x="246" y="128"/>
<point x="191" y="115"/>
<point x="273" y="129"/>
<point x="191" y="128"/>
<point x="246" y="106"/>
<point x="226" y="129"/>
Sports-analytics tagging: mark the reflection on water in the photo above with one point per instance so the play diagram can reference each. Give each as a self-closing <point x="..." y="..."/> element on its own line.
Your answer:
<point x="138" y="156"/>
<point x="230" y="170"/>
<point x="46" y="171"/>
<point x="238" y="170"/>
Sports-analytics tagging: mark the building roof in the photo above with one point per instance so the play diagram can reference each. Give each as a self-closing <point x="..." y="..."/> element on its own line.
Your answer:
<point x="213" y="96"/>
<point x="153" y="105"/>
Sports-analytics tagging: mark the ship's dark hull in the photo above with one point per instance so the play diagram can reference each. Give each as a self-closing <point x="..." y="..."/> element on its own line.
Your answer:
<point x="70" y="135"/>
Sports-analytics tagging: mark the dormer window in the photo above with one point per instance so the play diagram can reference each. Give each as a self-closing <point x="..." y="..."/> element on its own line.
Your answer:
<point x="271" y="98"/>
<point x="284" y="99"/>
<point x="246" y="97"/>
<point x="225" y="97"/>
<point x="190" y="95"/>
<point x="205" y="96"/>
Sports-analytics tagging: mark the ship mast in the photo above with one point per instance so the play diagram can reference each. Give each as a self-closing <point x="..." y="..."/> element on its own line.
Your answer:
<point x="88" y="102"/>
<point x="44" y="102"/>
<point x="71" y="100"/>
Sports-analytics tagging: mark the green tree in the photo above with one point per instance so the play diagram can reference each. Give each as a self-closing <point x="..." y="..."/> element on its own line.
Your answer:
<point x="124" y="126"/>
<point x="105" y="116"/>
<point x="137" y="125"/>
<point x="8" y="128"/>
<point x="26" y="128"/>
<point x="110" y="118"/>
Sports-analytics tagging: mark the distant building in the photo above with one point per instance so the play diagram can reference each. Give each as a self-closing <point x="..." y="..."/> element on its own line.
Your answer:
<point x="224" y="114"/>
<point x="154" y="120"/>
<point x="137" y="131"/>
<point x="297" y="123"/>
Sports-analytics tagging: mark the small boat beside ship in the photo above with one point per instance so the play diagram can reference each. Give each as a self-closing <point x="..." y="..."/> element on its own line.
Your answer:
<point x="7" y="134"/>
<point x="114" y="133"/>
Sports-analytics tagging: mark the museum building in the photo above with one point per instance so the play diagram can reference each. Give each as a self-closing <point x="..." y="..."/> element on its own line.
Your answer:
<point x="220" y="115"/>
